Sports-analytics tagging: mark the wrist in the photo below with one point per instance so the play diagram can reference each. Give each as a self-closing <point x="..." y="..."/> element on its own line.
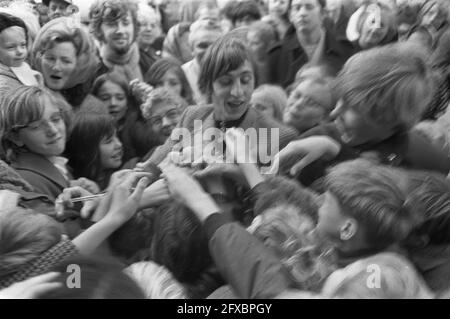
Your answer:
<point x="204" y="206"/>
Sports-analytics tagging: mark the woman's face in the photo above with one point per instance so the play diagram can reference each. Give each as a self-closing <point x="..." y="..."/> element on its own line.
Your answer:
<point x="47" y="136"/>
<point x="259" y="102"/>
<point x="374" y="30"/>
<point x="58" y="63"/>
<point x="149" y="30"/>
<point x="171" y="82"/>
<point x="307" y="105"/>
<point x="110" y="152"/>
<point x="278" y="7"/>
<point x="232" y="93"/>
<point x="115" y="98"/>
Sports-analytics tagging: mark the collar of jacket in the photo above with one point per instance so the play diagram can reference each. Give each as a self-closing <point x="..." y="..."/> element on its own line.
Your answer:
<point x="40" y="165"/>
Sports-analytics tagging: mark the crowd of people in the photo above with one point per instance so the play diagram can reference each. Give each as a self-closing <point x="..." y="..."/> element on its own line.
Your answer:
<point x="100" y="169"/>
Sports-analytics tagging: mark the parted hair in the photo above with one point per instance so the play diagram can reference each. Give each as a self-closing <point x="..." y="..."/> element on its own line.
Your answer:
<point x="23" y="106"/>
<point x="371" y="195"/>
<point x="224" y="55"/>
<point x="389" y="85"/>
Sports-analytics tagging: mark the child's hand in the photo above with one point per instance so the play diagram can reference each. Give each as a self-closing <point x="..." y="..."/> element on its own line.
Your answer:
<point x="64" y="201"/>
<point x="125" y="202"/>
<point x="155" y="194"/>
<point x="305" y="151"/>
<point x="32" y="288"/>
<point x="140" y="90"/>
<point x="87" y="184"/>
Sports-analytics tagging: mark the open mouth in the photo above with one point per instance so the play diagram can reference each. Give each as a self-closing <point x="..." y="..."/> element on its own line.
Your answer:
<point x="55" y="77"/>
<point x="117" y="156"/>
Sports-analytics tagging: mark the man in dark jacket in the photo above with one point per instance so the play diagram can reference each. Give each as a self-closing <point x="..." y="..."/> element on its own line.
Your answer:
<point x="309" y="40"/>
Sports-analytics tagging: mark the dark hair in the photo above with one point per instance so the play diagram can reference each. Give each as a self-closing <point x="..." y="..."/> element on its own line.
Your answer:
<point x="8" y="21"/>
<point x="243" y="9"/>
<point x="111" y="10"/>
<point x="82" y="148"/>
<point x="283" y="191"/>
<point x="113" y="77"/>
<point x="429" y="194"/>
<point x="161" y="67"/>
<point x="101" y="278"/>
<point x="224" y="55"/>
<point x="179" y="242"/>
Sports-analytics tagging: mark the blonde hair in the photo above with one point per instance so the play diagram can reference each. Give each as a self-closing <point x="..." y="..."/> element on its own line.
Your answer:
<point x="273" y="96"/>
<point x="383" y="276"/>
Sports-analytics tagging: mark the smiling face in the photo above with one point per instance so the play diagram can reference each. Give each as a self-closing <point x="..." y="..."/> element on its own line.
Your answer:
<point x="306" y="15"/>
<point x="58" y="63"/>
<point x="57" y="9"/>
<point x="163" y="120"/>
<point x="13" y="46"/>
<point x="47" y="136"/>
<point x="232" y="93"/>
<point x="119" y="34"/>
<point x="149" y="29"/>
<point x="115" y="99"/>
<point x="307" y="105"/>
<point x="111" y="152"/>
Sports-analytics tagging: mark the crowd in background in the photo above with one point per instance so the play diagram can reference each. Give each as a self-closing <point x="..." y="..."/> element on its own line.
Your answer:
<point x="348" y="97"/>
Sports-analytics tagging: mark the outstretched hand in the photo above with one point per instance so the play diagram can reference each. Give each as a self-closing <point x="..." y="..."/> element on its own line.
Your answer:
<point x="298" y="154"/>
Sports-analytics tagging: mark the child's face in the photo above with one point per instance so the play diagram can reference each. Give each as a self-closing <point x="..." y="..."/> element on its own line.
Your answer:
<point x="355" y="129"/>
<point x="163" y="120"/>
<point x="307" y="105"/>
<point x="374" y="30"/>
<point x="58" y="64"/>
<point x="171" y="82"/>
<point x="47" y="136"/>
<point x="330" y="218"/>
<point x="110" y="152"/>
<point x="13" y="46"/>
<point x="115" y="99"/>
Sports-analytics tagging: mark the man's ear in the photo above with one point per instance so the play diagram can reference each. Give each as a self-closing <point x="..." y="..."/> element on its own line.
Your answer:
<point x="14" y="137"/>
<point x="348" y="229"/>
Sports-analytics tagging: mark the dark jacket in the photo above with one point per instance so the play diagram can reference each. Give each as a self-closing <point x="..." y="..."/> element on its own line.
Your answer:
<point x="408" y="150"/>
<point x="43" y="176"/>
<point x="252" y="119"/>
<point x="288" y="56"/>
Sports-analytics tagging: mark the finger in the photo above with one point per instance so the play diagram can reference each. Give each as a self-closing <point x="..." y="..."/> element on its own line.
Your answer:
<point x="275" y="165"/>
<point x="88" y="209"/>
<point x="297" y="168"/>
<point x="139" y="190"/>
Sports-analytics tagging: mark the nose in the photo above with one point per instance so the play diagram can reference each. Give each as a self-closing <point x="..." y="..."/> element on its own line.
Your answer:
<point x="166" y="122"/>
<point x="56" y="66"/>
<point x="20" y="50"/>
<point x="117" y="143"/>
<point x="113" y="101"/>
<point x="120" y="27"/>
<point x="52" y="129"/>
<point x="236" y="90"/>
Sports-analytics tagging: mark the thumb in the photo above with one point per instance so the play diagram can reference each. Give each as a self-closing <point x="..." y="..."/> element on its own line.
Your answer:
<point x="275" y="165"/>
<point x="88" y="208"/>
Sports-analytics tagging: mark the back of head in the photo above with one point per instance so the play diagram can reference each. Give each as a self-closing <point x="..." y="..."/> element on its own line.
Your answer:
<point x="370" y="194"/>
<point x="24" y="236"/>
<point x="389" y="85"/>
<point x="429" y="194"/>
<point x="179" y="243"/>
<point x="382" y="276"/>
<point x="94" y="278"/>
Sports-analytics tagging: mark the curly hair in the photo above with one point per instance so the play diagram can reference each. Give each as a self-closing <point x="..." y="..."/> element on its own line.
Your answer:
<point x="111" y="10"/>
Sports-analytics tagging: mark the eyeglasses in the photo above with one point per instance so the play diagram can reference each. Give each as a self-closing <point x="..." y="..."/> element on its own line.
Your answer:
<point x="171" y="115"/>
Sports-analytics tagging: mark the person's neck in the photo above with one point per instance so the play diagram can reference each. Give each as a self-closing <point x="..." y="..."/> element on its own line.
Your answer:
<point x="309" y="37"/>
